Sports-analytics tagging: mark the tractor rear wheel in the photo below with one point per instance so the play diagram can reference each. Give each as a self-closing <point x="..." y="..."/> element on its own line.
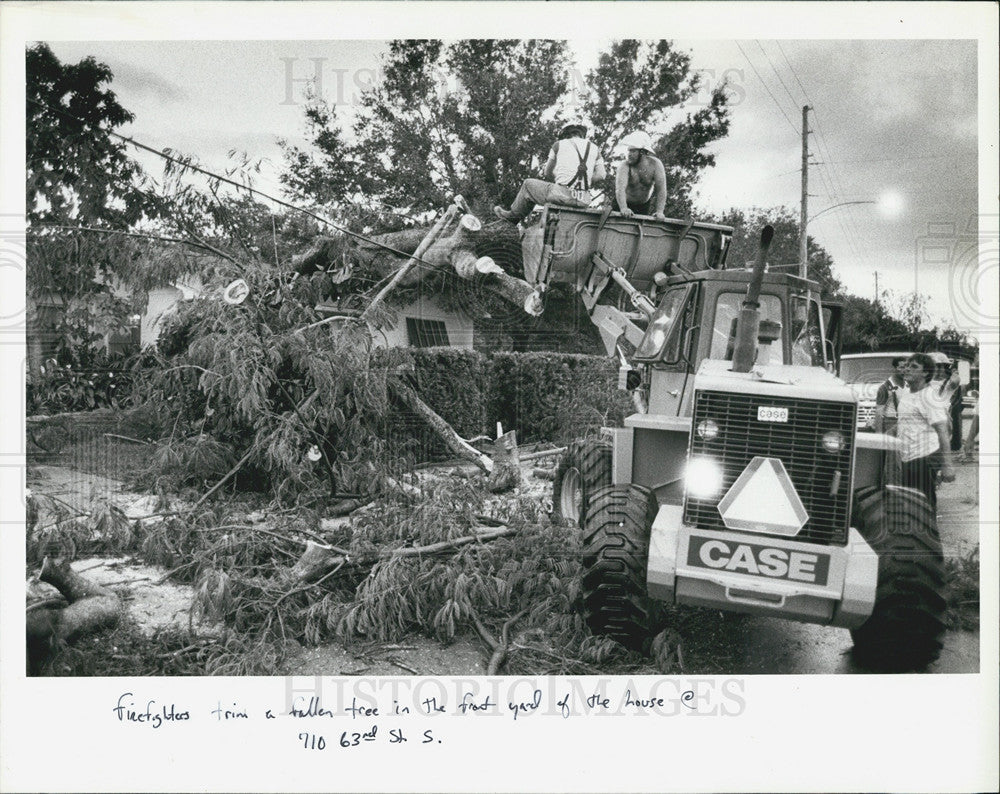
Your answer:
<point x="617" y="527"/>
<point x="583" y="468"/>
<point x="905" y="627"/>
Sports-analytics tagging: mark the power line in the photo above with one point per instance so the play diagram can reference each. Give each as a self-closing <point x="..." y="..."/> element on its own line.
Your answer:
<point x="821" y="143"/>
<point x="899" y="159"/>
<point x="773" y="98"/>
<point x="234" y="183"/>
<point x="828" y="177"/>
<point x="792" y="70"/>
<point x="776" y="74"/>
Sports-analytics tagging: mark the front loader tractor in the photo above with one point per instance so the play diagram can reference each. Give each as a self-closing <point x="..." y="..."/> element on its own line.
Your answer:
<point x="740" y="482"/>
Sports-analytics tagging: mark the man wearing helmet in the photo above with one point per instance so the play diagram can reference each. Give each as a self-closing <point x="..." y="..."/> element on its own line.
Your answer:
<point x="573" y="168"/>
<point x="641" y="182"/>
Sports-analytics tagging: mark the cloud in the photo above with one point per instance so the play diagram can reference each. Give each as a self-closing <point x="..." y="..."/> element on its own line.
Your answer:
<point x="145" y="83"/>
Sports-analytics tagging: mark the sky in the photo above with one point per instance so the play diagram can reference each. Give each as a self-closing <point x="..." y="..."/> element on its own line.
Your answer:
<point x="893" y="127"/>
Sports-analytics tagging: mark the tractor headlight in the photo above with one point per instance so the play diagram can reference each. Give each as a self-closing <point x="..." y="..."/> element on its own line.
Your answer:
<point x="703" y="478"/>
<point x="707" y="429"/>
<point x="833" y="441"/>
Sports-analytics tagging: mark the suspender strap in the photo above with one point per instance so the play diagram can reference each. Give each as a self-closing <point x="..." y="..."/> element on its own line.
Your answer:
<point x="581" y="169"/>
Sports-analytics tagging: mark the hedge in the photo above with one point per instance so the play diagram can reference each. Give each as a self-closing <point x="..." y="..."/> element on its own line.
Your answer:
<point x="544" y="396"/>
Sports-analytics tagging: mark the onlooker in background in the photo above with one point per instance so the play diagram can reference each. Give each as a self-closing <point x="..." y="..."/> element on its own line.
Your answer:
<point x="573" y="168"/>
<point x="641" y="181"/>
<point x="886" y="414"/>
<point x="957" y="396"/>
<point x="948" y="384"/>
<point x="922" y="427"/>
<point x="887" y="398"/>
<point x="968" y="448"/>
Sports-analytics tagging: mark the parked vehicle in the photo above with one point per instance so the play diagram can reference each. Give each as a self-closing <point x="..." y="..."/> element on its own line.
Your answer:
<point x="865" y="372"/>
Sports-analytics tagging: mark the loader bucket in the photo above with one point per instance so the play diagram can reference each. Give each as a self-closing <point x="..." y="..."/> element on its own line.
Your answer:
<point x="559" y="248"/>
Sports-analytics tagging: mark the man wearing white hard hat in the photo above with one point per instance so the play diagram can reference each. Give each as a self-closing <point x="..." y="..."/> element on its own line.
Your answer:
<point x="573" y="169"/>
<point x="641" y="181"/>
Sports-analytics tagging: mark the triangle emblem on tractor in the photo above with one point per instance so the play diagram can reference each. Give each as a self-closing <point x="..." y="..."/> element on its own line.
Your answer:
<point x="763" y="499"/>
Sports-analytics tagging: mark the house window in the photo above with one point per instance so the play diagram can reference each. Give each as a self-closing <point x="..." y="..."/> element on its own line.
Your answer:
<point x="426" y="333"/>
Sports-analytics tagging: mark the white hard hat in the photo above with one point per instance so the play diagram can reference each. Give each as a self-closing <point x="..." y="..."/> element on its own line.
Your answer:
<point x="638" y="140"/>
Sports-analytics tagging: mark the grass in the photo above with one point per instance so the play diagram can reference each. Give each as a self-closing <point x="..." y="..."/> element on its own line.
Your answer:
<point x="962" y="591"/>
<point x="87" y="448"/>
<point x="126" y="651"/>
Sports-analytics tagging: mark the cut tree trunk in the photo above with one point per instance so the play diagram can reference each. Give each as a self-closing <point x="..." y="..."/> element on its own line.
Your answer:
<point x="455" y="249"/>
<point x="92" y="607"/>
<point x="418" y="255"/>
<point x="452" y="440"/>
<point x="506" y="473"/>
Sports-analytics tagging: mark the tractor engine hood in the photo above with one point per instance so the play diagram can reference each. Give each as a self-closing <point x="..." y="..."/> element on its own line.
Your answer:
<point x="809" y="383"/>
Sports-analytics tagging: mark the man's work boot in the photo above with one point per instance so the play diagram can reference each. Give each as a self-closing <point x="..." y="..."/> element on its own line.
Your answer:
<point x="505" y="215"/>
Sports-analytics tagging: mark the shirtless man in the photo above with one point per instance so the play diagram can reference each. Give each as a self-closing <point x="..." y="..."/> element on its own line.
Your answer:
<point x="641" y="182"/>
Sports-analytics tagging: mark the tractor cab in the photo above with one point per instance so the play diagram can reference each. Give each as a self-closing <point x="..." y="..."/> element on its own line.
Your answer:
<point x="696" y="319"/>
<point x="663" y="299"/>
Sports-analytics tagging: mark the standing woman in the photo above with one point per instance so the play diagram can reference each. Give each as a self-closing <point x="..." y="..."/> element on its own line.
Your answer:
<point x="922" y="428"/>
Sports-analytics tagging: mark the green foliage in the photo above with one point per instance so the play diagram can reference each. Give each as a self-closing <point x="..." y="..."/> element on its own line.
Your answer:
<point x="126" y="651"/>
<point x="458" y="385"/>
<point x="867" y="327"/>
<point x="552" y="396"/>
<point x="232" y="377"/>
<point x="464" y="118"/>
<point x="534" y="571"/>
<point x="476" y="117"/>
<point x="76" y="171"/>
<point x="544" y="396"/>
<point x="747" y="225"/>
<point x="636" y="86"/>
<point x="60" y="389"/>
<point x="199" y="460"/>
<point x="247" y="377"/>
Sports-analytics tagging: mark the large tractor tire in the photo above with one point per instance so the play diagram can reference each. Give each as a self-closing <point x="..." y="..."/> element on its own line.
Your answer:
<point x="615" y="554"/>
<point x="584" y="468"/>
<point x="905" y="628"/>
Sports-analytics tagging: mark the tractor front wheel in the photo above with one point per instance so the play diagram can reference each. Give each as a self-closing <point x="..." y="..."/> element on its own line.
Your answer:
<point x="617" y="527"/>
<point x="905" y="628"/>
<point x="583" y="468"/>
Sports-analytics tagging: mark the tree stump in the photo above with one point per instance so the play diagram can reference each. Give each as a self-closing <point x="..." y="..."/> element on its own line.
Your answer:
<point x="91" y="607"/>
<point x="506" y="474"/>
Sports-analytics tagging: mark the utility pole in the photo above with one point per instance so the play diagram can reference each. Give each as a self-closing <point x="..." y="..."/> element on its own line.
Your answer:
<point x="876" y="288"/>
<point x="803" y="218"/>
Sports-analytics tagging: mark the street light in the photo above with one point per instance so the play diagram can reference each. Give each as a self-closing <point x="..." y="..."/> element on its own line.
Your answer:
<point x="841" y="204"/>
<point x="803" y="255"/>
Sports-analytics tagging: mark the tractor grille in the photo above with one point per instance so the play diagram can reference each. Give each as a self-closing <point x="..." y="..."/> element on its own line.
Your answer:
<point x="797" y="443"/>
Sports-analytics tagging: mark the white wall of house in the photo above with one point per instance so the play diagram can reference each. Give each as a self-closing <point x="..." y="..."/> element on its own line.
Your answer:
<point x="161" y="303"/>
<point x="458" y="326"/>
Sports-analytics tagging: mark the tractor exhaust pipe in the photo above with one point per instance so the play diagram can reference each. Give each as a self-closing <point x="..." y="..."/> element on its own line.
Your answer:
<point x="748" y="324"/>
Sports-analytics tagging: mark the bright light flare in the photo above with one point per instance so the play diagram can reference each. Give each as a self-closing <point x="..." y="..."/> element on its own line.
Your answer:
<point x="892" y="203"/>
<point x="703" y="478"/>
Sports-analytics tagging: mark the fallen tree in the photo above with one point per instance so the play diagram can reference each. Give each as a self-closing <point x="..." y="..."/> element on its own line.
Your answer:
<point x="85" y="607"/>
<point x="457" y="242"/>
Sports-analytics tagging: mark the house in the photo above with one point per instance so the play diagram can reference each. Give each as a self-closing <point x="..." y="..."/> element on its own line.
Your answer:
<point x="422" y="322"/>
